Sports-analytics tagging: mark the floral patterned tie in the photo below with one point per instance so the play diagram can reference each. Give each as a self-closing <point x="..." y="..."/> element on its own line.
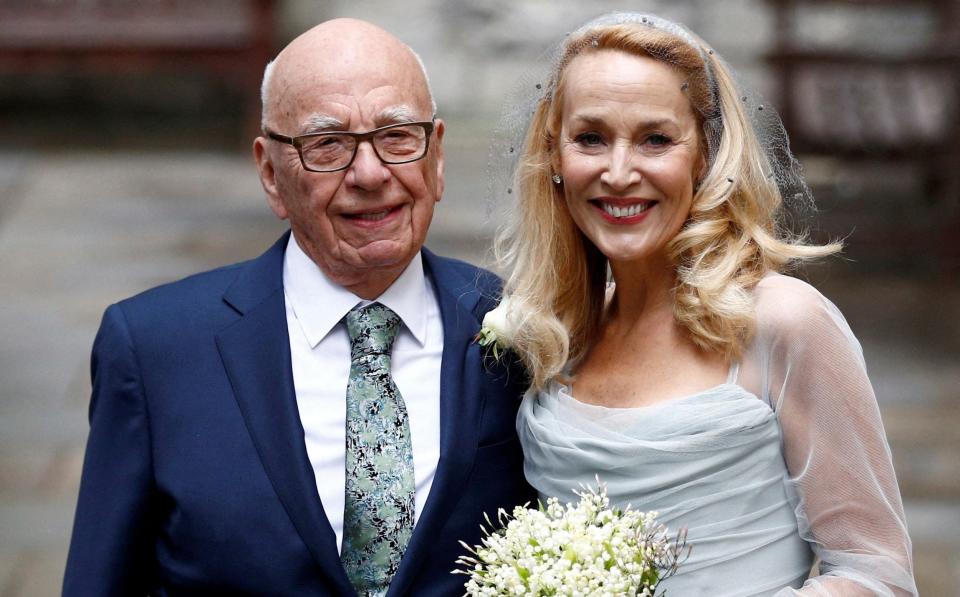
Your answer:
<point x="379" y="505"/>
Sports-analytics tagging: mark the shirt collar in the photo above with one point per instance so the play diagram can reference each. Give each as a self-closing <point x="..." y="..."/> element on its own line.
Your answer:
<point x="320" y="304"/>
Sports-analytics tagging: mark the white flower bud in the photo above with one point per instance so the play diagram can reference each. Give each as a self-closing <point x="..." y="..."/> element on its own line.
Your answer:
<point x="503" y="321"/>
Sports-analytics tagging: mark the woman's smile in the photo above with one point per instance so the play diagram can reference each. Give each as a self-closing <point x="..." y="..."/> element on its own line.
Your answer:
<point x="622" y="211"/>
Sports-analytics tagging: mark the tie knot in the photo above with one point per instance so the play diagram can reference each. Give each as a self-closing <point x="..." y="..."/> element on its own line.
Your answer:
<point x="372" y="329"/>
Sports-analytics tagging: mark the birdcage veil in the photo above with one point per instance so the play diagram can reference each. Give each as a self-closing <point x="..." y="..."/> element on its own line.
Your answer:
<point x="736" y="230"/>
<point x="538" y="84"/>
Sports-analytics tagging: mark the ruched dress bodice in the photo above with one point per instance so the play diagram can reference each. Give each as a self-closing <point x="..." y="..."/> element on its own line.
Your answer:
<point x="785" y="460"/>
<point x="710" y="462"/>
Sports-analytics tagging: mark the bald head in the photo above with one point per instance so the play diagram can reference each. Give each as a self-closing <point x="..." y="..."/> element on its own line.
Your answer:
<point x="340" y="52"/>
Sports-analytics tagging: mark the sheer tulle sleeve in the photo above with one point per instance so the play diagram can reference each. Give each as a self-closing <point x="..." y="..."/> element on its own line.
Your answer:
<point x="806" y="363"/>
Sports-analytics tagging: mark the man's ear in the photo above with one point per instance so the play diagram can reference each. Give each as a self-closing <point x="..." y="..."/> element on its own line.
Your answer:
<point x="268" y="177"/>
<point x="439" y="129"/>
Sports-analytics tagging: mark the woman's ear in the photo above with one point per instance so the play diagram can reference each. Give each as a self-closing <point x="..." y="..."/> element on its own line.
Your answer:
<point x="554" y="151"/>
<point x="700" y="170"/>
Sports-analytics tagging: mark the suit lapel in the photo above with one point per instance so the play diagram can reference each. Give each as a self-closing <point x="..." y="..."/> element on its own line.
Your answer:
<point x="461" y="404"/>
<point x="256" y="355"/>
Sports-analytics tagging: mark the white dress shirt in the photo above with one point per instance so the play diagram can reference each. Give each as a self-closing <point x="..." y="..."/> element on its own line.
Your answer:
<point x="320" y="355"/>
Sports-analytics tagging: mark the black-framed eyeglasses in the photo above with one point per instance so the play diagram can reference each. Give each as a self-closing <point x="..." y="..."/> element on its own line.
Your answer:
<point x="335" y="150"/>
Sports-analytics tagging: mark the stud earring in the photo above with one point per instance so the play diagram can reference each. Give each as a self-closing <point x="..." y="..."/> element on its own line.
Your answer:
<point x="557" y="179"/>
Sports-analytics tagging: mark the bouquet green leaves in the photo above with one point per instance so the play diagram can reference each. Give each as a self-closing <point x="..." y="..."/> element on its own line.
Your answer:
<point x="585" y="548"/>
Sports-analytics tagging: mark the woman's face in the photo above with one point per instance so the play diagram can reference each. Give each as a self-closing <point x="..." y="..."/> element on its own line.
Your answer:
<point x="628" y="152"/>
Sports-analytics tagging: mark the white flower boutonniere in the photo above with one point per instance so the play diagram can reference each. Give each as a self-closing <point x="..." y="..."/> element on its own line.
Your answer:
<point x="499" y="325"/>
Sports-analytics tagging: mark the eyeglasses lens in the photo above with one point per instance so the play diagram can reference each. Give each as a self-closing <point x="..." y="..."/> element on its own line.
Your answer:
<point x="394" y="145"/>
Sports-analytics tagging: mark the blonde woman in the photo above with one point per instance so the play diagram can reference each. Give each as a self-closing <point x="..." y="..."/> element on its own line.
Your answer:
<point x="703" y="383"/>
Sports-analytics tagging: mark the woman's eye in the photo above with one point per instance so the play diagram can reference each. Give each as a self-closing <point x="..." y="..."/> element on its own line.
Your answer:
<point x="658" y="140"/>
<point x="589" y="139"/>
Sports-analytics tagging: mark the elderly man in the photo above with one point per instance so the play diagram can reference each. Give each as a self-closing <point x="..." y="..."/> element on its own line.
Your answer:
<point x="316" y="421"/>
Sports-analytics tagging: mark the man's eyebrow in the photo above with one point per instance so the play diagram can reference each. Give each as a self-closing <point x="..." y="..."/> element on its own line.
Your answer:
<point x="396" y="114"/>
<point x="319" y="123"/>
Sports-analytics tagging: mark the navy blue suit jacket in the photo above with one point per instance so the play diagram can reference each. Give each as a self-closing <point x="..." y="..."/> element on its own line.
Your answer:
<point x="196" y="478"/>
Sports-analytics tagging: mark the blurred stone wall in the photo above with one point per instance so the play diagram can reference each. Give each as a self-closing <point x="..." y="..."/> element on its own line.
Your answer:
<point x="476" y="50"/>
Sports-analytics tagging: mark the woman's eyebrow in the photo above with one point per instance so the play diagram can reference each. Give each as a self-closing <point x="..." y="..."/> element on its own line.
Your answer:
<point x="594" y="120"/>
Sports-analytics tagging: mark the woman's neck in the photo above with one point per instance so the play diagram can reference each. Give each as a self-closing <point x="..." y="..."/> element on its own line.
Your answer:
<point x="643" y="290"/>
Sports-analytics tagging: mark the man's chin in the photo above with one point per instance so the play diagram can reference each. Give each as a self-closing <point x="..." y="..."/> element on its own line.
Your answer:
<point x="386" y="254"/>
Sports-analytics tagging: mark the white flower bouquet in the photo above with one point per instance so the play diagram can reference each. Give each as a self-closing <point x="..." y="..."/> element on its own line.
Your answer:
<point x="585" y="548"/>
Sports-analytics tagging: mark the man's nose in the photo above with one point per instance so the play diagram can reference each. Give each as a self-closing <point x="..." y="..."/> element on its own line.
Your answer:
<point x="367" y="171"/>
<point x="621" y="172"/>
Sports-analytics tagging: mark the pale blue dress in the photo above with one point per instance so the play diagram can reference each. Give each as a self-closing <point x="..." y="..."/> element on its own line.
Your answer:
<point x="783" y="462"/>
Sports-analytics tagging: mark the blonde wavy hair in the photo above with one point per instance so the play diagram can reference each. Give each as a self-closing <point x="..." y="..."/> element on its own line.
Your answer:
<point x="556" y="277"/>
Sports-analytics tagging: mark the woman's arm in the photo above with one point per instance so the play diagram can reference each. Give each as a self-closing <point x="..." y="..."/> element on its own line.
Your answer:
<point x="848" y="502"/>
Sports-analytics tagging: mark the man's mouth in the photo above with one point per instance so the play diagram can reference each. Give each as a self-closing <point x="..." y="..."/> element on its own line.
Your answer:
<point x="373" y="216"/>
